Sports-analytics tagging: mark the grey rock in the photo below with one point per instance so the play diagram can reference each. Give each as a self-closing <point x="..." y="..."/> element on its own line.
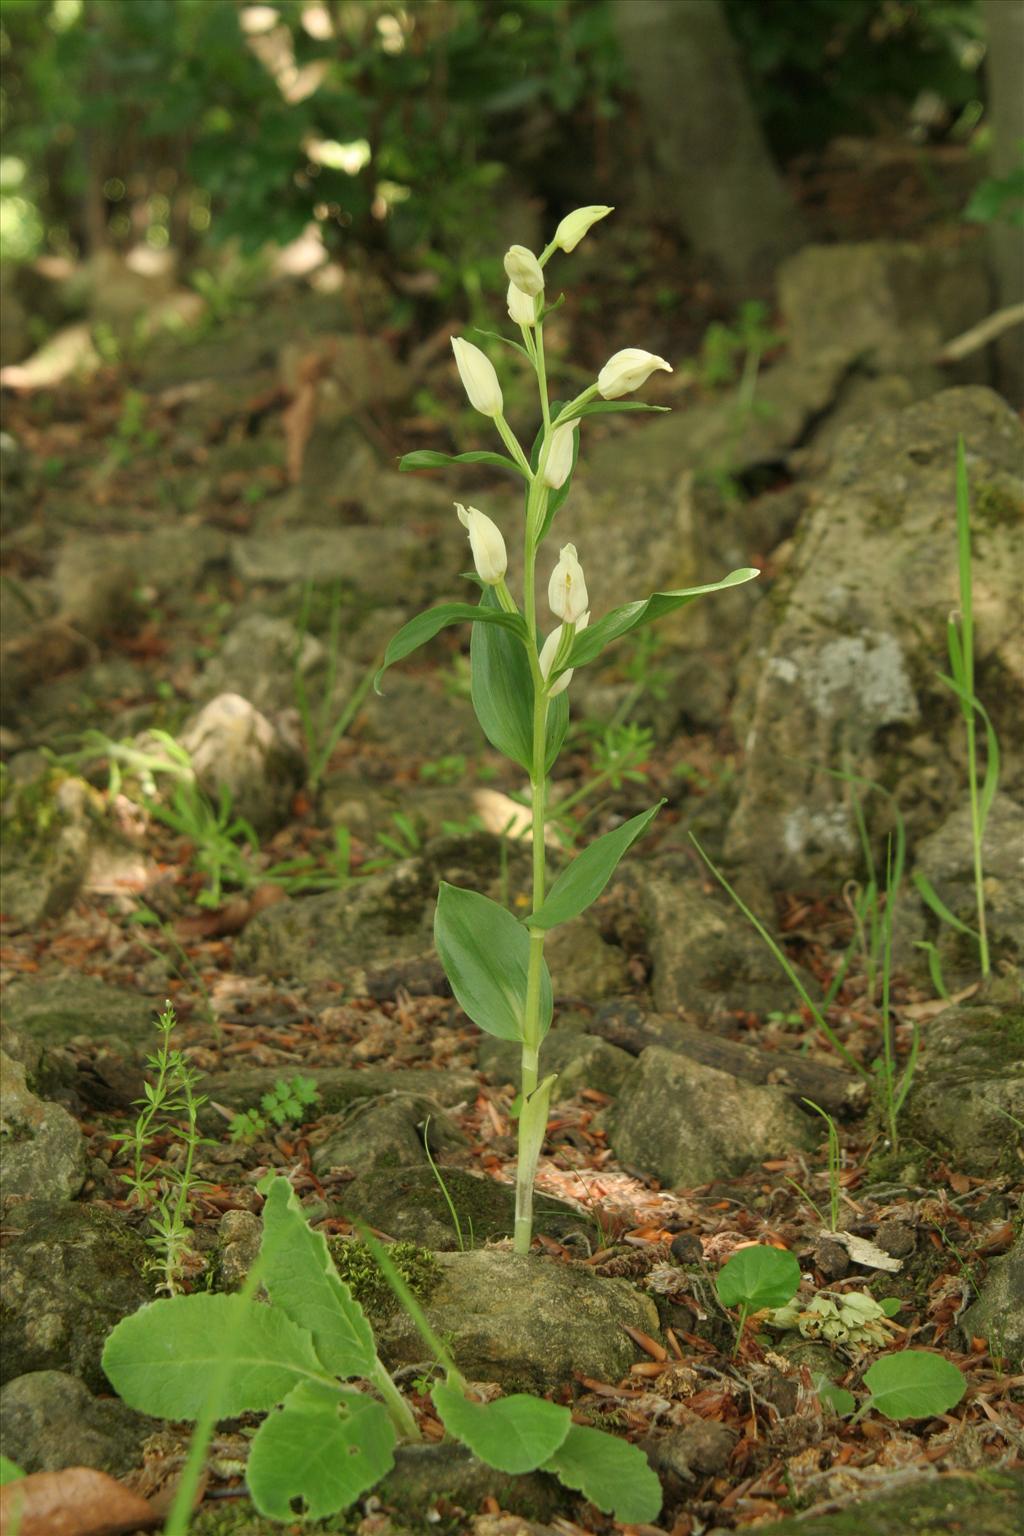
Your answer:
<point x="889" y="306"/>
<point x="691" y="1451"/>
<point x="371" y="1136"/>
<point x="43" y="1148"/>
<point x="409" y="1204"/>
<point x="390" y="565"/>
<point x="581" y="1061"/>
<point x="259" y="659"/>
<point x="582" y="965"/>
<point x="842" y="661"/>
<point x="525" y="1323"/>
<point x="946" y="858"/>
<point x="234" y="747"/>
<point x="51" y="1420"/>
<point x="51" y="1010"/>
<point x="69" y="1275"/>
<point x="689" y="1124"/>
<point x="43" y="874"/>
<point x="985" y="1507"/>
<point x="967" y="1098"/>
<point x="428" y="1479"/>
<point x="239" y="1234"/>
<point x="998" y="1314"/>
<point x="706" y="956"/>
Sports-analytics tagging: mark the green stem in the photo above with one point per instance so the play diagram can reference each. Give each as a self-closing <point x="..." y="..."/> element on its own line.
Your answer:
<point x="542" y="380"/>
<point x="526" y="1163"/>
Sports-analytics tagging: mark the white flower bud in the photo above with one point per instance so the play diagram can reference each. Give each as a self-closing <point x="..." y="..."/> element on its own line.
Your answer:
<point x="626" y="371"/>
<point x="521" y="308"/>
<point x="559" y="461"/>
<point x="548" y="653"/>
<point x="486" y="542"/>
<point x="575" y="225"/>
<point x="567" y="589"/>
<point x="524" y="270"/>
<point x="478" y="377"/>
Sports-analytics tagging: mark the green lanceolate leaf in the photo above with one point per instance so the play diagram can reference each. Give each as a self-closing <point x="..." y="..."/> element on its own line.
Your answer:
<point x="914" y="1384"/>
<point x="514" y="1434"/>
<point x="506" y="341"/>
<point x="426" y="625"/>
<point x="300" y="1278"/>
<point x="323" y="1447"/>
<point x="758" y="1277"/>
<point x="592" y="641"/>
<point x="161" y="1359"/>
<point x="486" y="954"/>
<point x="588" y="874"/>
<point x="611" y="1473"/>
<point x="502" y="691"/>
<point x="607" y="407"/>
<point x="428" y="458"/>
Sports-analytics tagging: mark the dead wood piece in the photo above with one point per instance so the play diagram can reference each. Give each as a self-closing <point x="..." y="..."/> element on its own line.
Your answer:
<point x="837" y="1091"/>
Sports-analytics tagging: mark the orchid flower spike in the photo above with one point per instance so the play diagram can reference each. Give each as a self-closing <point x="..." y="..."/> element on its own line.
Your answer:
<point x="567" y="589"/>
<point x="627" y="370"/>
<point x="524" y="270"/>
<point x="478" y="377"/>
<point x="560" y="451"/>
<point x="486" y="542"/>
<point x="549" y="651"/>
<point x="575" y="225"/>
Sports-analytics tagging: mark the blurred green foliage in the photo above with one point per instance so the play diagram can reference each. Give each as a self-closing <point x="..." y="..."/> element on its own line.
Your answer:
<point x="818" y="68"/>
<point x="391" y="123"/>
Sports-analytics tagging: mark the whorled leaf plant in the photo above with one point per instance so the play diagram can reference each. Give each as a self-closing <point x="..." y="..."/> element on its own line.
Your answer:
<point x="494" y="961"/>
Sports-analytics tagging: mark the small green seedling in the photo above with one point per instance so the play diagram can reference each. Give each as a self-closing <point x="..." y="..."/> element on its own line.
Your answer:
<point x="286" y="1104"/>
<point x="323" y="1444"/>
<point x="849" y="1317"/>
<point x="755" y="1278"/>
<point x="910" y="1384"/>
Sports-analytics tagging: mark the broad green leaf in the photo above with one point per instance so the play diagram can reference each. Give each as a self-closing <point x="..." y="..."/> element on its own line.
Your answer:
<point x="514" y="1434"/>
<point x="486" y="953"/>
<point x="502" y="690"/>
<point x="300" y="1278"/>
<point x="161" y="1359"/>
<point x="10" y="1472"/>
<point x="607" y="407"/>
<point x="589" y="873"/>
<point x="428" y="458"/>
<point x="758" y="1277"/>
<point x="836" y="1398"/>
<point x="611" y="1473"/>
<point x="323" y="1447"/>
<point x="591" y="642"/>
<point x="426" y="625"/>
<point x="914" y="1384"/>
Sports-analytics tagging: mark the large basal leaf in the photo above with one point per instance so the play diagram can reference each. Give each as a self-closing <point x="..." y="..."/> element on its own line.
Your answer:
<point x="758" y="1277"/>
<point x="321" y="1449"/>
<point x="611" y="1473"/>
<point x="502" y="691"/>
<point x="301" y="1279"/>
<point x="592" y="641"/>
<point x="486" y="954"/>
<point x="588" y="874"/>
<point x="428" y="458"/>
<point x="514" y="1434"/>
<point x="162" y="1358"/>
<point x="426" y="625"/>
<point x="914" y="1384"/>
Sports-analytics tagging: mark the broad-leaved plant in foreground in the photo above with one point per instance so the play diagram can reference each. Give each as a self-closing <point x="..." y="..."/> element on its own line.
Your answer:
<point x="520" y="676"/>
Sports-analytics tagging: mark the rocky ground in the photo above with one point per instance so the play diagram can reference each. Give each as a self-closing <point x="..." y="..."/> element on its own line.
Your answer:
<point x="207" y="538"/>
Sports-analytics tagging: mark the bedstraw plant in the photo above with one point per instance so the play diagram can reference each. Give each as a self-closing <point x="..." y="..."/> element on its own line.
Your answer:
<point x="520" y="677"/>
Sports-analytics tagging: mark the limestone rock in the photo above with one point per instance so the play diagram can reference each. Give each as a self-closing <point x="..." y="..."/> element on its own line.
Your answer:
<point x="968" y="1091"/>
<point x="43" y="1148"/>
<point x="525" y="1323"/>
<point x="946" y="858"/>
<point x="234" y="747"/>
<point x="689" y="1124"/>
<point x="998" y="1313"/>
<point x="71" y="1273"/>
<point x="842" y="662"/>
<point x="258" y="660"/>
<point x="51" y="1420"/>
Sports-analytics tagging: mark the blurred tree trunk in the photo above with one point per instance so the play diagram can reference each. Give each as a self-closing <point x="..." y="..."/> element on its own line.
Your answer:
<point x="1004" y="21"/>
<point x="715" y="177"/>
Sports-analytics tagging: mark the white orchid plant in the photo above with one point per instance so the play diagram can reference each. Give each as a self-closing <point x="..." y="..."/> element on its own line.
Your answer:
<point x="493" y="960"/>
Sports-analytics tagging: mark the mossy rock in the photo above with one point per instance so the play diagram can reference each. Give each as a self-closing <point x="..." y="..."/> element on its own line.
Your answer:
<point x="967" y="1101"/>
<point x="989" y="1504"/>
<point x="409" y="1203"/>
